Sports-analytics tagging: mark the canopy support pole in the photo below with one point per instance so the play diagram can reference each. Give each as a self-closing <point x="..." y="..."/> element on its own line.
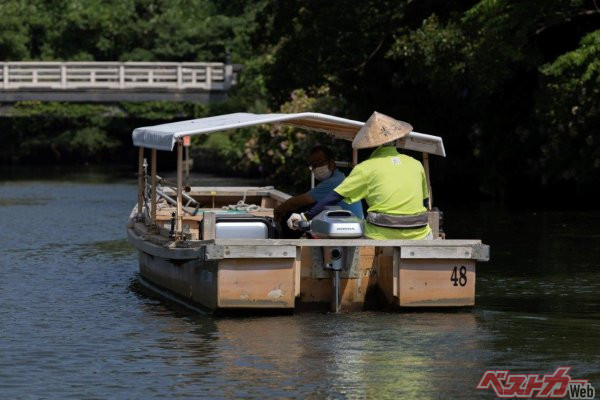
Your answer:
<point x="187" y="162"/>
<point x="153" y="189"/>
<point x="179" y="229"/>
<point x="141" y="184"/>
<point x="426" y="166"/>
<point x="354" y="157"/>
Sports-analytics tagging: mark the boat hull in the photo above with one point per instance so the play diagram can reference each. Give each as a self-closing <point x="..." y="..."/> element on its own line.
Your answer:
<point x="289" y="274"/>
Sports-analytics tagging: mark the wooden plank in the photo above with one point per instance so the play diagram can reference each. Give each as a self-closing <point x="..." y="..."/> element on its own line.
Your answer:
<point x="239" y="191"/>
<point x="194" y="280"/>
<point x="268" y="202"/>
<point x="353" y="242"/>
<point x="256" y="283"/>
<point x="436" y="283"/>
<point x="297" y="271"/>
<point x="424" y="248"/>
<point x="455" y="252"/>
<point x="205" y="284"/>
<point x="153" y="188"/>
<point x="144" y="245"/>
<point x="179" y="229"/>
<point x="259" y="251"/>
<point x="278" y="195"/>
<point x="396" y="270"/>
<point x="217" y="252"/>
<point x="480" y="252"/>
<point x="456" y="249"/>
<point x="316" y="293"/>
<point x="162" y="239"/>
<point x="167" y="274"/>
<point x="385" y="273"/>
<point x="208" y="226"/>
<point x="306" y="262"/>
<point x="426" y="167"/>
<point x="433" y="219"/>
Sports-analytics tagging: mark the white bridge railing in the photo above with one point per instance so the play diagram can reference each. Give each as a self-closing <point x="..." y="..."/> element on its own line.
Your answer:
<point x="117" y="75"/>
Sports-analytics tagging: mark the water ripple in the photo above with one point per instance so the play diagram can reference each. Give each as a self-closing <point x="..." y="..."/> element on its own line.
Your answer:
<point x="75" y="323"/>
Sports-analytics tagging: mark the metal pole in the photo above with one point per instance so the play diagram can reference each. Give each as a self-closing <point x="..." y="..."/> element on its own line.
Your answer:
<point x="153" y="188"/>
<point x="187" y="163"/>
<point x="336" y="291"/>
<point x="426" y="166"/>
<point x="141" y="183"/>
<point x="179" y="230"/>
<point x="354" y="157"/>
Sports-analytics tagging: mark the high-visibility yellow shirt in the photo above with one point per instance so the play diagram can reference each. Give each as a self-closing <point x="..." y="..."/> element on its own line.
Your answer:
<point x="391" y="183"/>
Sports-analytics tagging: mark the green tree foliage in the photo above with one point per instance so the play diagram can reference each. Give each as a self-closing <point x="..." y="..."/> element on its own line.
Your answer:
<point x="278" y="152"/>
<point x="51" y="132"/>
<point x="109" y="30"/>
<point x="14" y="34"/>
<point x="569" y="115"/>
<point x="335" y="43"/>
<point x="512" y="86"/>
<point x="485" y="64"/>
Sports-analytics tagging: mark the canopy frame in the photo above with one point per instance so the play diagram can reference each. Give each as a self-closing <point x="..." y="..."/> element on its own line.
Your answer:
<point x="166" y="136"/>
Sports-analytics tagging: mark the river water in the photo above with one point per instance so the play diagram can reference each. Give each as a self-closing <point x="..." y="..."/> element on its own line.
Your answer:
<point x="76" y="323"/>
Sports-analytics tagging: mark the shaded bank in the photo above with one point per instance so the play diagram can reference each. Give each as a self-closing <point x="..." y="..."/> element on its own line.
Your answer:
<point x="54" y="133"/>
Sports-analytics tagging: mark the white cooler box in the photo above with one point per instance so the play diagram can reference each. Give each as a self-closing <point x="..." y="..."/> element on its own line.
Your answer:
<point x="244" y="226"/>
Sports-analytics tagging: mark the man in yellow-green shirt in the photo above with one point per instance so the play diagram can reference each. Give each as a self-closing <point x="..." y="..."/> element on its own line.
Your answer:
<point x="393" y="185"/>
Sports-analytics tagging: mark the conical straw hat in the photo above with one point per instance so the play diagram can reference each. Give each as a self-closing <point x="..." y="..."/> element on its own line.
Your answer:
<point x="380" y="129"/>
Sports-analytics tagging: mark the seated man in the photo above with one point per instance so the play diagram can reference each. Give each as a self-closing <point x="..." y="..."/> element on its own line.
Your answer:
<point x="394" y="185"/>
<point x="322" y="164"/>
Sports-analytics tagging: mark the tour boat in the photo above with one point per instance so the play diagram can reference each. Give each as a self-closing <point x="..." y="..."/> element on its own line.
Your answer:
<point x="218" y="248"/>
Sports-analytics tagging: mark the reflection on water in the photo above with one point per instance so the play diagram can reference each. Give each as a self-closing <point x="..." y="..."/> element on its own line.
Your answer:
<point x="367" y="354"/>
<point x="74" y="322"/>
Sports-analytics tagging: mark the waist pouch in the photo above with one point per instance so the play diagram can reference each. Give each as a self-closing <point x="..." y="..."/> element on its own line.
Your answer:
<point x="397" y="221"/>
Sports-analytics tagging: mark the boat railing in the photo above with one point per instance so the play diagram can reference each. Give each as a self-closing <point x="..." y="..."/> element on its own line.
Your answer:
<point x="161" y="194"/>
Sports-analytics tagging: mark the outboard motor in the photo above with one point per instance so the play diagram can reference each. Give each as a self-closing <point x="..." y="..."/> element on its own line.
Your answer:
<point x="335" y="223"/>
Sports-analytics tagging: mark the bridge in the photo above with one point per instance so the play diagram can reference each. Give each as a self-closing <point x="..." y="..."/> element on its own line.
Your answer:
<point x="116" y="81"/>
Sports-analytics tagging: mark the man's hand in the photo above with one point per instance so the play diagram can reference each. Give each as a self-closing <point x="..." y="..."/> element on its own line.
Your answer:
<point x="293" y="203"/>
<point x="293" y="220"/>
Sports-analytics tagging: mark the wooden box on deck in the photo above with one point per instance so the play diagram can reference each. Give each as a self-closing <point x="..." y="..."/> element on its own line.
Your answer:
<point x="256" y="283"/>
<point x="426" y="282"/>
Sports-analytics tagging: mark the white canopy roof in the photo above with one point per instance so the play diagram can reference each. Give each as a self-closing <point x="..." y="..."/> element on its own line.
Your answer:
<point x="163" y="137"/>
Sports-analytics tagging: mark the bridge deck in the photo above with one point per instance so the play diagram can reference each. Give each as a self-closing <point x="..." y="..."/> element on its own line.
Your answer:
<point x="115" y="81"/>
